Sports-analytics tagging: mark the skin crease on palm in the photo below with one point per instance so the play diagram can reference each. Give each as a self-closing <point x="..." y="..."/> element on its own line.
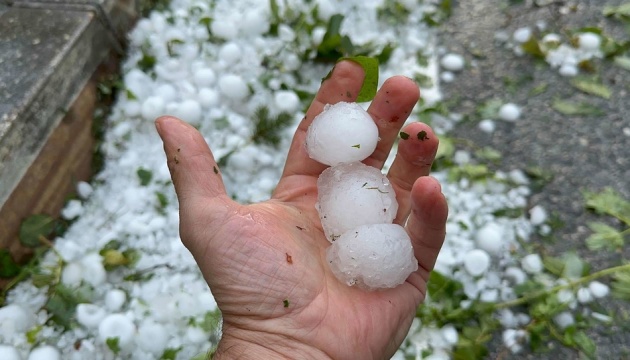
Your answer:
<point x="266" y="263"/>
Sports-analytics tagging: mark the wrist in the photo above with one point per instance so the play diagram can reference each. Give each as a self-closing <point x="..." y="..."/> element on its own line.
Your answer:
<point x="252" y="345"/>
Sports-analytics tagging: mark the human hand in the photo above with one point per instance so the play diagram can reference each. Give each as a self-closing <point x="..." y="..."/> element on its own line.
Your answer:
<point x="266" y="262"/>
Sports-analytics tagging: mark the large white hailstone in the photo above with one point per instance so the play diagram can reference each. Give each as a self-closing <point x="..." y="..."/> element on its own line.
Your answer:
<point x="204" y="77"/>
<point x="509" y="112"/>
<point x="152" y="108"/>
<point x="452" y="62"/>
<point x="189" y="110"/>
<point x="117" y="326"/>
<point x="16" y="317"/>
<point x="84" y="189"/>
<point x="45" y="352"/>
<point x="72" y="209"/>
<point x="208" y="98"/>
<point x="373" y="256"/>
<point x="537" y="215"/>
<point x="521" y="35"/>
<point x="8" y="352"/>
<point x="532" y="264"/>
<point x="115" y="299"/>
<point x="490" y="238"/>
<point x="564" y="320"/>
<point x="233" y="86"/>
<point x="90" y="315"/>
<point x="342" y="133"/>
<point x="350" y="195"/>
<point x="487" y="126"/>
<point x="287" y="101"/>
<point x="476" y="262"/>
<point x="598" y="289"/>
<point x="589" y="41"/>
<point x="152" y="337"/>
<point x="230" y="52"/>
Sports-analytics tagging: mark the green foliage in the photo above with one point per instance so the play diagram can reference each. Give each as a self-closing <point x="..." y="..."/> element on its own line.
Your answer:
<point x="490" y="109"/>
<point x="621" y="11"/>
<point x="609" y="202"/>
<point x="441" y="13"/>
<point x="370" y="82"/>
<point x="567" y="107"/>
<point x="334" y="45"/>
<point x="211" y="321"/>
<point x="621" y="285"/>
<point x="32" y="334"/>
<point x="144" y="176"/>
<point x="8" y="267"/>
<point x="267" y="129"/>
<point x="147" y="62"/>
<point x="170" y="353"/>
<point x="113" y="345"/>
<point x="35" y="228"/>
<point x="62" y="304"/>
<point x="392" y="12"/>
<point x="591" y="86"/>
<point x="604" y="237"/>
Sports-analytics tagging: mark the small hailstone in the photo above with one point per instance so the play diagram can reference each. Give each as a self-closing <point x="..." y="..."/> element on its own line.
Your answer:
<point x="287" y="101"/>
<point x="513" y="339"/>
<point x="551" y="39"/>
<point x="72" y="274"/>
<point x="318" y="35"/>
<point x="230" y="52"/>
<point x="350" y="195"/>
<point x="254" y="23"/>
<point x="204" y="77"/>
<point x="373" y="256"/>
<point x="117" y="326"/>
<point x="584" y="295"/>
<point x="224" y="28"/>
<point x="167" y="92"/>
<point x="532" y="263"/>
<point x="589" y="41"/>
<point x="598" y="289"/>
<point x="521" y="35"/>
<point x="452" y="62"/>
<point x="515" y="275"/>
<point x="90" y="315"/>
<point x="115" y="299"/>
<point x="477" y="262"/>
<point x="72" y="209"/>
<point x="509" y="112"/>
<point x="208" y="97"/>
<point x="565" y="296"/>
<point x="190" y="111"/>
<point x="342" y="133"/>
<point x="447" y="76"/>
<point x="461" y="157"/>
<point x="564" y="320"/>
<point x="8" y="352"/>
<point x="152" y="337"/>
<point x="233" y="86"/>
<point x="84" y="189"/>
<point x="489" y="295"/>
<point x="132" y="108"/>
<point x="196" y="335"/>
<point x="45" y="352"/>
<point x="568" y="70"/>
<point x="152" y="108"/>
<point x="450" y="335"/>
<point x="601" y="317"/>
<point x="20" y="318"/>
<point x="490" y="238"/>
<point x="487" y="126"/>
<point x="93" y="270"/>
<point x="537" y="215"/>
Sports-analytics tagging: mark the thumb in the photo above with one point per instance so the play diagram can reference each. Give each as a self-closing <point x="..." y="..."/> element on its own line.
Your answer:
<point x="195" y="173"/>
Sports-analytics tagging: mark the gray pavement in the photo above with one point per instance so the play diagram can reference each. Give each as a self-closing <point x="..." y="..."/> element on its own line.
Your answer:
<point x="582" y="152"/>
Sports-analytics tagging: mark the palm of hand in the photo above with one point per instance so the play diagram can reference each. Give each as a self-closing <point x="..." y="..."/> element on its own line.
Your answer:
<point x="266" y="263"/>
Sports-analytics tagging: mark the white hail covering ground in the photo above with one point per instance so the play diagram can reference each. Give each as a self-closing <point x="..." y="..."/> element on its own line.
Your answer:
<point x="217" y="85"/>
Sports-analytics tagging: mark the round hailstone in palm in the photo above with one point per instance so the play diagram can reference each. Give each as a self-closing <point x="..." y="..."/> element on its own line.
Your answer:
<point x="342" y="133"/>
<point x="373" y="256"/>
<point x="350" y="195"/>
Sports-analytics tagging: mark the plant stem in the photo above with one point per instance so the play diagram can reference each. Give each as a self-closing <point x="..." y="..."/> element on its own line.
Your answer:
<point x="537" y="294"/>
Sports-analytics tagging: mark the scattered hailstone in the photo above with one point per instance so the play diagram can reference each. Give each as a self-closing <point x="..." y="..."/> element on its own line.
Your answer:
<point x="589" y="41"/>
<point x="537" y="215"/>
<point x="45" y="352"/>
<point x="115" y="299"/>
<point x="477" y="262"/>
<point x="9" y="353"/>
<point x="598" y="289"/>
<point x="15" y="317"/>
<point x="523" y="34"/>
<point x="564" y="320"/>
<point x="373" y="256"/>
<point x="233" y="86"/>
<point x="487" y="126"/>
<point x="287" y="101"/>
<point x="490" y="238"/>
<point x="532" y="263"/>
<point x="152" y="337"/>
<point x="509" y="112"/>
<point x="84" y="189"/>
<point x="90" y="315"/>
<point x="584" y="295"/>
<point x="342" y="133"/>
<point x="204" y="77"/>
<point x="72" y="209"/>
<point x="152" y="108"/>
<point x="117" y="326"/>
<point x="452" y="62"/>
<point x="350" y="195"/>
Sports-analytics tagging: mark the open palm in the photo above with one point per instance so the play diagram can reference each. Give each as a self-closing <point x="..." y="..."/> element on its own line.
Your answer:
<point x="265" y="263"/>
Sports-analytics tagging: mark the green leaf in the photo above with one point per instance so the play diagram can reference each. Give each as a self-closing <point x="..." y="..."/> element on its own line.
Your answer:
<point x="211" y="321"/>
<point x="623" y="62"/>
<point x="31" y="335"/>
<point x="163" y="200"/>
<point x="488" y="153"/>
<point x="604" y="236"/>
<point x="441" y="287"/>
<point x="147" y="62"/>
<point x="575" y="108"/>
<point x="130" y="95"/>
<point x="170" y="353"/>
<point x="590" y="86"/>
<point x="370" y="82"/>
<point x="62" y="305"/>
<point x="585" y="343"/>
<point x="609" y="202"/>
<point x="490" y="109"/>
<point x="574" y="266"/>
<point x="537" y="90"/>
<point x="404" y="135"/>
<point x="145" y="176"/>
<point x="554" y="265"/>
<point x="113" y="345"/>
<point x="34" y="227"/>
<point x="621" y="285"/>
<point x="532" y="47"/>
<point x="446" y="148"/>
<point x="622" y="10"/>
<point x="8" y="267"/>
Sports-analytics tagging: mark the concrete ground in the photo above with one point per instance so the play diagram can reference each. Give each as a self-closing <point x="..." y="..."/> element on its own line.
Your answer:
<point x="582" y="152"/>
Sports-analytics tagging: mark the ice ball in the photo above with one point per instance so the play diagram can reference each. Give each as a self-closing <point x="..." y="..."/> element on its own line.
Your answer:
<point x="490" y="238"/>
<point x="354" y="194"/>
<point x="90" y="315"/>
<point x="453" y="62"/>
<point x="117" y="326"/>
<point x="373" y="256"/>
<point x="477" y="262"/>
<point x="509" y="112"/>
<point x="9" y="353"/>
<point x="233" y="86"/>
<point x="16" y="317"/>
<point x="45" y="352"/>
<point x="342" y="133"/>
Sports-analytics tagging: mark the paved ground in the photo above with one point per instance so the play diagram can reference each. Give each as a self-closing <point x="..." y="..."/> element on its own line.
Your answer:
<point x="582" y="152"/>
